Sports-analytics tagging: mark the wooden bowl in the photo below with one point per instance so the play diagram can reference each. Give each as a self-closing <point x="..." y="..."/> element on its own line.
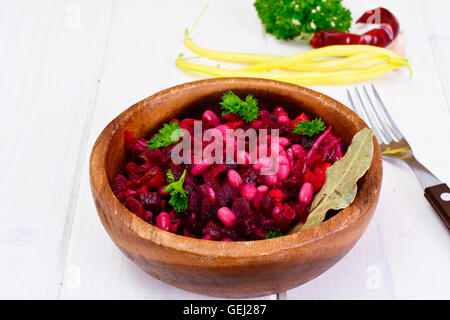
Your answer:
<point x="229" y="269"/>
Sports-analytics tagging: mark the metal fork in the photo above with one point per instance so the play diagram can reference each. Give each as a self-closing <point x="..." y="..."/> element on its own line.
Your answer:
<point x="394" y="145"/>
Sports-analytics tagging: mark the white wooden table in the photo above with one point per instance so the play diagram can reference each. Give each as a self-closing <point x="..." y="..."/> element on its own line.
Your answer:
<point x="68" y="67"/>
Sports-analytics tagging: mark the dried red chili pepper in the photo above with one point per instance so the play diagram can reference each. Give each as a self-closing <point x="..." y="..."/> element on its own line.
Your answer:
<point x="380" y="37"/>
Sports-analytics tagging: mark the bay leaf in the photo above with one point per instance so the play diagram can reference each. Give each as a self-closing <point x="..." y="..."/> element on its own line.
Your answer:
<point x="339" y="189"/>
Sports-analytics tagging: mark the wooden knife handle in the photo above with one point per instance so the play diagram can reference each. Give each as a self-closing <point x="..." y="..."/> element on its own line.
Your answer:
<point x="439" y="197"/>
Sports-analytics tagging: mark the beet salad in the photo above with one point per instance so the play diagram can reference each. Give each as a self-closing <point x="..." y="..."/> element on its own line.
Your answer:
<point x="239" y="174"/>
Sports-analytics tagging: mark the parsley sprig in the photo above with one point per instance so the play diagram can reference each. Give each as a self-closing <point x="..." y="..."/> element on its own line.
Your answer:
<point x="247" y="110"/>
<point x="167" y="135"/>
<point x="274" y="234"/>
<point x="178" y="196"/>
<point x="309" y="127"/>
<point x="289" y="19"/>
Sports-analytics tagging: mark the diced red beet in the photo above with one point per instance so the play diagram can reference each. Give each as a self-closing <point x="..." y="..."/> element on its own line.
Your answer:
<point x="119" y="184"/>
<point x="290" y="192"/>
<point x="277" y="194"/>
<point x="249" y="176"/>
<point x="229" y="232"/>
<point x="281" y="219"/>
<point x="269" y="224"/>
<point x="194" y="225"/>
<point x="283" y="129"/>
<point x="148" y="216"/>
<point x="135" y="207"/>
<point x="208" y="237"/>
<point x="127" y="193"/>
<point x="130" y="167"/>
<point x="141" y="190"/>
<point x="188" y="121"/>
<point x="314" y="161"/>
<point x="213" y="228"/>
<point x="257" y="201"/>
<point x="305" y="141"/>
<point x="155" y="157"/>
<point x="293" y="181"/>
<point x="143" y="167"/>
<point x="158" y="178"/>
<point x="211" y="176"/>
<point x="204" y="188"/>
<point x="187" y="233"/>
<point x="195" y="201"/>
<point x="230" y="117"/>
<point x="316" y="178"/>
<point x="190" y="185"/>
<point x="134" y="144"/>
<point x="244" y="225"/>
<point x="267" y="203"/>
<point x="241" y="207"/>
<point x="147" y="177"/>
<point x="301" y="210"/>
<point x="265" y="117"/>
<point x="235" y="124"/>
<point x="224" y="195"/>
<point x="163" y="204"/>
<point x="259" y="233"/>
<point x="209" y="209"/>
<point x="302" y="117"/>
<point x="151" y="200"/>
<point x="175" y="222"/>
<point x="325" y="166"/>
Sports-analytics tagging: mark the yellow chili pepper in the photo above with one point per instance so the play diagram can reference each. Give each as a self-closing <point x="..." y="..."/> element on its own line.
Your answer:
<point x="228" y="56"/>
<point x="330" y="51"/>
<point x="359" y="61"/>
<point x="305" y="78"/>
<point x="304" y="61"/>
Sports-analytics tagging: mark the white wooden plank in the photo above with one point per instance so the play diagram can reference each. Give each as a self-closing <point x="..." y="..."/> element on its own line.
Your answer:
<point x="146" y="37"/>
<point x="50" y="61"/>
<point x="435" y="15"/>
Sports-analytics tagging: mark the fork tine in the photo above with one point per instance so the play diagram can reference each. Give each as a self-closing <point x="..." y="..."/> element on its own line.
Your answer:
<point x="352" y="104"/>
<point x="356" y="108"/>
<point x="362" y="114"/>
<point x="372" y="123"/>
<point x="386" y="114"/>
<point x="380" y="120"/>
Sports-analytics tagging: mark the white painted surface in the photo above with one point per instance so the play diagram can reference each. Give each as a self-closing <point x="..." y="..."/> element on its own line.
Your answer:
<point x="67" y="68"/>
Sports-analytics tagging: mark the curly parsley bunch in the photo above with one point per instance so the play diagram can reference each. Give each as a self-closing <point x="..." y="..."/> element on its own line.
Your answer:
<point x="287" y="19"/>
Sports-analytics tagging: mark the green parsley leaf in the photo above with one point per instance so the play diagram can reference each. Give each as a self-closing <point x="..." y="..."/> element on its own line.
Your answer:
<point x="170" y="133"/>
<point x="248" y="109"/>
<point x="289" y="19"/>
<point x="178" y="196"/>
<point x="309" y="128"/>
<point x="274" y="234"/>
<point x="170" y="177"/>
